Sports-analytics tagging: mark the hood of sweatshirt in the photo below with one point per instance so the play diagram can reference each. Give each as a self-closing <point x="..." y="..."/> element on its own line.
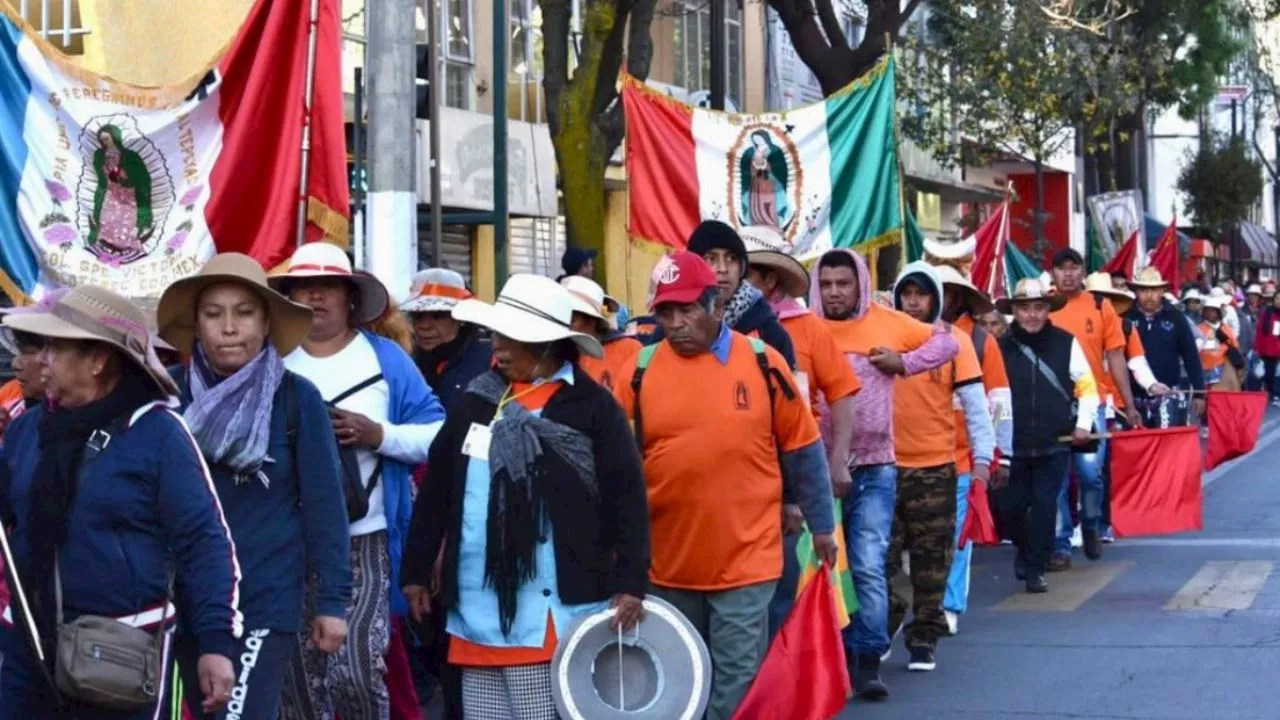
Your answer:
<point x="864" y="286"/>
<point x="923" y="274"/>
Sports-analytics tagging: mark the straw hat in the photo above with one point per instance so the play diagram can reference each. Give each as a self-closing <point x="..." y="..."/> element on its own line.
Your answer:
<point x="323" y="259"/>
<point x="288" y="321"/>
<point x="1217" y="302"/>
<point x="435" y="290"/>
<point x="978" y="302"/>
<point x="530" y="309"/>
<point x="1100" y="283"/>
<point x="86" y="312"/>
<point x="792" y="276"/>
<point x="1029" y="290"/>
<point x="954" y="250"/>
<point x="588" y="297"/>
<point x="1192" y="294"/>
<point x="1148" y="277"/>
<point x="1253" y="289"/>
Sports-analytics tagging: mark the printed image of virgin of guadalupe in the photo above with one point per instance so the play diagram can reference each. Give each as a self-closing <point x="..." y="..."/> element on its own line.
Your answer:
<point x="121" y="218"/>
<point x="763" y="174"/>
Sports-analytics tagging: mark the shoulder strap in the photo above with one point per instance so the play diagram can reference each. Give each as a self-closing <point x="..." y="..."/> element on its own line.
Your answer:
<point x="979" y="336"/>
<point x="355" y="389"/>
<point x="1126" y="325"/>
<point x="290" y="408"/>
<point x="1043" y="369"/>
<point x="643" y="358"/>
<point x="1097" y="302"/>
<point x="773" y="379"/>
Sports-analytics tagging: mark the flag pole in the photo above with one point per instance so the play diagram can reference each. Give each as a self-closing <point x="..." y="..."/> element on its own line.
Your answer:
<point x="300" y="230"/>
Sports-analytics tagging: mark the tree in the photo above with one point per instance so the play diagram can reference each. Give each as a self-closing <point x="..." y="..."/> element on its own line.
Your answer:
<point x="997" y="78"/>
<point x="1221" y="183"/>
<point x="583" y="110"/>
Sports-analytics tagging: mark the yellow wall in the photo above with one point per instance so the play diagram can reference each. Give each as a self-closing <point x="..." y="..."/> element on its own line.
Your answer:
<point x="157" y="42"/>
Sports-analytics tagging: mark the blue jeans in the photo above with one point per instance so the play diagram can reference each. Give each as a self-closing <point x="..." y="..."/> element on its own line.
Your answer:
<point x="957" y="597"/>
<point x="784" y="596"/>
<point x="1088" y="470"/>
<point x="868" y="525"/>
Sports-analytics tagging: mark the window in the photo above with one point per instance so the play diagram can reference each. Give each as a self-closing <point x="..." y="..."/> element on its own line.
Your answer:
<point x="57" y="21"/>
<point x="456" y="58"/>
<point x="526" y="39"/>
<point x="693" y="47"/>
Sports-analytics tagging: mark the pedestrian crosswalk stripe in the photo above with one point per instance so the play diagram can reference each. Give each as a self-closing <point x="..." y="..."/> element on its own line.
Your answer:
<point x="1222" y="585"/>
<point x="1067" y="590"/>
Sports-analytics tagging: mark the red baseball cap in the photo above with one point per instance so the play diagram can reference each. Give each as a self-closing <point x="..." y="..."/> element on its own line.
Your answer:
<point x="681" y="278"/>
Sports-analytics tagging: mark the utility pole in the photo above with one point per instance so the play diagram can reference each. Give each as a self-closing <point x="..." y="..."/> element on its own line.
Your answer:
<point x="392" y="239"/>
<point x="718" y="53"/>
<point x="436" y="91"/>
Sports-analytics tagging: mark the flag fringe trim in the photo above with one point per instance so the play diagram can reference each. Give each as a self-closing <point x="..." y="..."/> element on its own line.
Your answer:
<point x="11" y="289"/>
<point x="156" y="96"/>
<point x="630" y="81"/>
<point x="335" y="225"/>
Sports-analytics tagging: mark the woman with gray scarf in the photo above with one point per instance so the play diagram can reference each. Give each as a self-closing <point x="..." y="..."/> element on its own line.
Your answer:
<point x="254" y="421"/>
<point x="535" y="491"/>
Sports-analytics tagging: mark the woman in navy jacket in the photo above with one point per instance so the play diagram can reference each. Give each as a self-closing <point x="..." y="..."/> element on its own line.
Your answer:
<point x="258" y="426"/>
<point x="118" y="523"/>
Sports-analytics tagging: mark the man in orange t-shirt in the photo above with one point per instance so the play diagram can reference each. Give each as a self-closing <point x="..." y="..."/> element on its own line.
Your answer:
<point x="590" y="309"/>
<point x="1097" y="328"/>
<point x="925" y="433"/>
<point x="825" y="379"/>
<point x="720" y="435"/>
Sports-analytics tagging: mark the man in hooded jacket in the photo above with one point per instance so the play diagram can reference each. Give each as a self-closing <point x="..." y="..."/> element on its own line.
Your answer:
<point x="880" y="344"/>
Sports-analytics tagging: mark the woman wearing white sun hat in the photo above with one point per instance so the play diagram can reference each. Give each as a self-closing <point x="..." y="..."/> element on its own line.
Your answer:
<point x="591" y="309"/>
<point x="449" y="353"/>
<point x="532" y="539"/>
<point x="385" y="419"/>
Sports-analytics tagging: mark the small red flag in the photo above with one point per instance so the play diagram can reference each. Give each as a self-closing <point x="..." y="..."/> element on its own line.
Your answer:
<point x="1155" y="481"/>
<point x="979" y="525"/>
<point x="803" y="677"/>
<point x="1165" y="257"/>
<point x="1235" y="418"/>
<point x="1124" y="259"/>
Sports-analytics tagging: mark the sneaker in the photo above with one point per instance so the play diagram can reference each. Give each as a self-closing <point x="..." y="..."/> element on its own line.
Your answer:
<point x="953" y="622"/>
<point x="922" y="659"/>
<point x="1076" y="538"/>
<point x="1036" y="584"/>
<point x="893" y="635"/>
<point x="1107" y="536"/>
<point x="866" y="678"/>
<point x="1060" y="562"/>
<point x="1092" y="545"/>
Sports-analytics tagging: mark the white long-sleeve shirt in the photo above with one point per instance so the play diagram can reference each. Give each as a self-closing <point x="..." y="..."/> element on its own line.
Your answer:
<point x="1086" y="388"/>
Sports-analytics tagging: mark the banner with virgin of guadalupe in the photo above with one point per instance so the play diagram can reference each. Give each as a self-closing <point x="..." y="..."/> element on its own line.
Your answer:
<point x="131" y="188"/>
<point x="801" y="181"/>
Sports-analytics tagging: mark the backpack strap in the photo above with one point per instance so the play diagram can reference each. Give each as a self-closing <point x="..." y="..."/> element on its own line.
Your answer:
<point x="979" y="336"/>
<point x="642" y="363"/>
<point x="773" y="378"/>
<point x="290" y="410"/>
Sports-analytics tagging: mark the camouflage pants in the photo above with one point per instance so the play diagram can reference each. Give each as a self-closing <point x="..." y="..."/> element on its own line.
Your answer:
<point x="924" y="524"/>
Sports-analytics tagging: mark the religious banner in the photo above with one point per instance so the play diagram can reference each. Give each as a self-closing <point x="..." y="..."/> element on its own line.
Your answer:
<point x="802" y="181"/>
<point x="1117" y="216"/>
<point x="131" y="188"/>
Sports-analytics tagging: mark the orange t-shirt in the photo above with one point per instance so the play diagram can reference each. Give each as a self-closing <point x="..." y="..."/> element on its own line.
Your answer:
<point x="924" y="416"/>
<point x="711" y="444"/>
<point x="824" y="367"/>
<point x="993" y="377"/>
<point x="617" y="355"/>
<point x="11" y="399"/>
<point x="468" y="654"/>
<point x="1214" y="353"/>
<point x="1097" y="328"/>
<point x="880" y="326"/>
<point x="1132" y="348"/>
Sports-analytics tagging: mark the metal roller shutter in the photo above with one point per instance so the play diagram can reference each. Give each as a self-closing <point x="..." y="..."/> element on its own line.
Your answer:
<point x="537" y="245"/>
<point x="455" y="250"/>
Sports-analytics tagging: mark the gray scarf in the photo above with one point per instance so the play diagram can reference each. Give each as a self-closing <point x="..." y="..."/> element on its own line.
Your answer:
<point x="743" y="298"/>
<point x="517" y="504"/>
<point x="230" y="417"/>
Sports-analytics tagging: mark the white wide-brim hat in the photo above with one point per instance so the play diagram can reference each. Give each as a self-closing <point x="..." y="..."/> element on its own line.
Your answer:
<point x="324" y="259"/>
<point x="661" y="670"/>
<point x="954" y="250"/>
<point x="588" y="297"/>
<point x="530" y="309"/>
<point x="978" y="302"/>
<point x="435" y="290"/>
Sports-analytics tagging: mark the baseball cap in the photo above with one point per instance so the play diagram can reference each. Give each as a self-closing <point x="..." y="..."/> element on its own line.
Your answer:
<point x="682" y="278"/>
<point x="1067" y="255"/>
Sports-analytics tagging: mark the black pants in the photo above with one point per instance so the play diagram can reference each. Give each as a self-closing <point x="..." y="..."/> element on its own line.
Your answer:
<point x="1269" y="375"/>
<point x="429" y="663"/>
<point x="1030" y="507"/>
<point x="261" y="662"/>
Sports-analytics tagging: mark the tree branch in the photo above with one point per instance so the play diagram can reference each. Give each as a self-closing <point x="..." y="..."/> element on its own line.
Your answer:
<point x="905" y="15"/>
<point x="611" y="57"/>
<point x="831" y="24"/>
<point x="555" y="57"/>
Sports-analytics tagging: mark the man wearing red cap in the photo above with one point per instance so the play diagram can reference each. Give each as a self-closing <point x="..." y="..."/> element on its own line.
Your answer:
<point x="715" y="497"/>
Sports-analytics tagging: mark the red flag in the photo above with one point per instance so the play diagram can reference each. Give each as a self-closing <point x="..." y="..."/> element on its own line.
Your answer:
<point x="1165" y="257"/>
<point x="1125" y="257"/>
<point x="1155" y="481"/>
<point x="979" y="525"/>
<point x="987" y="272"/>
<point x="1234" y="421"/>
<point x="803" y="677"/>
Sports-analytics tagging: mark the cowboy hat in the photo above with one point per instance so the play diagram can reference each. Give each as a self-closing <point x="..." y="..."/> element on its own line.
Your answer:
<point x="1100" y="283"/>
<point x="659" y="671"/>
<point x="588" y="297"/>
<point x="1148" y="277"/>
<point x="288" y="321"/>
<point x="977" y="301"/>
<point x="530" y="309"/>
<point x="323" y="259"/>
<point x="1216" y="302"/>
<point x="1253" y="289"/>
<point x="954" y="250"/>
<point x="87" y="312"/>
<point x="1192" y="294"/>
<point x="792" y="277"/>
<point x="1030" y="290"/>
<point x="435" y="290"/>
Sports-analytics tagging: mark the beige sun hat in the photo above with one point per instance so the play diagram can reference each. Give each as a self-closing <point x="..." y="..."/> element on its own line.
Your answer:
<point x="324" y="259"/>
<point x="588" y="297"/>
<point x="1148" y="277"/>
<point x="529" y="309"/>
<point x="288" y="321"/>
<point x="1100" y="283"/>
<point x="1027" y="290"/>
<point x="87" y="312"/>
<point x="792" y="276"/>
<point x="979" y="303"/>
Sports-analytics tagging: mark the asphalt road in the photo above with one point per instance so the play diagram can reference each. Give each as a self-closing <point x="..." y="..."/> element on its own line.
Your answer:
<point x="1183" y="627"/>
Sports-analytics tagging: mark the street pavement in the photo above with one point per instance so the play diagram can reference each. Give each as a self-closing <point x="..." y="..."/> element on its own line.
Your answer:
<point x="1183" y="627"/>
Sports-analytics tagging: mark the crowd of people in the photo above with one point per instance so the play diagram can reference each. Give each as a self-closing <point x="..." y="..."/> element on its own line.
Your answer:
<point x="321" y="505"/>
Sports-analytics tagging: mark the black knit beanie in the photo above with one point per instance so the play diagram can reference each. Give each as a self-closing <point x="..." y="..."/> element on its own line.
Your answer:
<point x="715" y="235"/>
